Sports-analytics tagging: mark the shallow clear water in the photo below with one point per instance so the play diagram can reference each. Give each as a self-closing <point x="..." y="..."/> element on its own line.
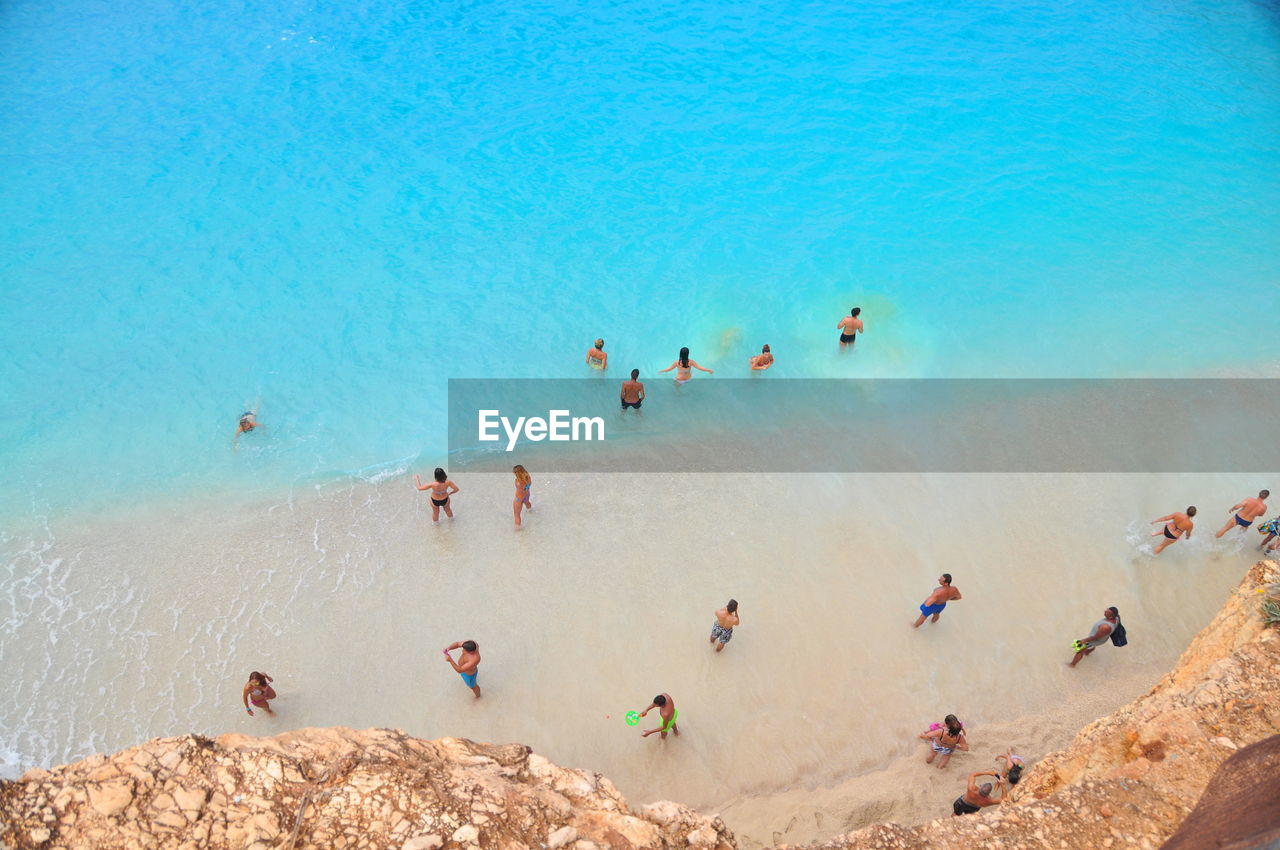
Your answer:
<point x="334" y="208"/>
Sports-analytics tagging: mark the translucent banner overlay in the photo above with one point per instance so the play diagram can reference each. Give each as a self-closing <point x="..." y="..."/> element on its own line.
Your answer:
<point x="779" y="425"/>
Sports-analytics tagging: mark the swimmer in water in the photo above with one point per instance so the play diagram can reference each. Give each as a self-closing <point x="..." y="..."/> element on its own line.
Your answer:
<point x="523" y="482"/>
<point x="850" y="326"/>
<point x="1177" y="526"/>
<point x="258" y="690"/>
<point x="596" y="356"/>
<point x="440" y="489"/>
<point x="684" y="367"/>
<point x="632" y="394"/>
<point x="762" y="361"/>
<point x="1246" y="512"/>
<point x="248" y="421"/>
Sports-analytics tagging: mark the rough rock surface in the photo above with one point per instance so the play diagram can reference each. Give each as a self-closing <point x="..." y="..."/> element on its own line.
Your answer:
<point x="335" y="788"/>
<point x="1128" y="780"/>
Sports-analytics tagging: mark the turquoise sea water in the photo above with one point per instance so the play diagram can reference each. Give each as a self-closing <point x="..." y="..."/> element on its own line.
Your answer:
<point x="334" y="207"/>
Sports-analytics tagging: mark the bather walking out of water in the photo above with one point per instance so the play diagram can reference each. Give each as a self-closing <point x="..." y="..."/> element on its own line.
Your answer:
<point x="667" y="711"/>
<point x="684" y="367"/>
<point x="523" y="482"/>
<point x="1177" y="526"/>
<point x="944" y="739"/>
<point x="440" y="489"/>
<point x="468" y="664"/>
<point x="258" y="690"/>
<point x="1245" y="512"/>
<point x="722" y="629"/>
<point x="937" y="600"/>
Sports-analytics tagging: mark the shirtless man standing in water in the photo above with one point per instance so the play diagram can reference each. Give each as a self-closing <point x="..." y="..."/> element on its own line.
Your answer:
<point x="632" y="392"/>
<point x="1246" y="512"/>
<point x="1176" y="527"/>
<point x="722" y="629"/>
<point x="468" y="664"/>
<point x="850" y="326"/>
<point x="667" y="711"/>
<point x="937" y="600"/>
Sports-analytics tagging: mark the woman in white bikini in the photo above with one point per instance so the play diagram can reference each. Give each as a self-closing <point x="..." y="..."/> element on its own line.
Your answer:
<point x="440" y="489"/>
<point x="258" y="690"/>
<point x="684" y="367"/>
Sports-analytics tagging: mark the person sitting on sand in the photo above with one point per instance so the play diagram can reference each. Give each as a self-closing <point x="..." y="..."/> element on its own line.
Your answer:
<point x="937" y="600"/>
<point x="944" y="739"/>
<point x="248" y="421"/>
<point x="722" y="629"/>
<point x="1011" y="767"/>
<point x="977" y="797"/>
<point x="524" y="481"/>
<point x="850" y="326"/>
<point x="632" y="391"/>
<point x="1177" y="526"/>
<point x="667" y="711"/>
<point x="440" y="489"/>
<point x="684" y="367"/>
<point x="1098" y="636"/>
<point x="1246" y="512"/>
<point x="596" y="356"/>
<point x="762" y="361"/>
<point x="258" y="690"/>
<point x="468" y="664"/>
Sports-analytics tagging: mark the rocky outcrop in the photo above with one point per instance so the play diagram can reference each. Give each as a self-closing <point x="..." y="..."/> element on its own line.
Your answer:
<point x="1131" y="778"/>
<point x="1128" y="780"/>
<point x="335" y="788"/>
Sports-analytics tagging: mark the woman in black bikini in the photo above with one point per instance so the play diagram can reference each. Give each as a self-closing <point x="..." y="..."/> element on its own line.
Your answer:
<point x="440" y="489"/>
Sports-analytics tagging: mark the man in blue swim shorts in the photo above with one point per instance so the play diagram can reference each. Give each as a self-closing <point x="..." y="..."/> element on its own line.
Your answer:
<point x="467" y="665"/>
<point x="937" y="600"/>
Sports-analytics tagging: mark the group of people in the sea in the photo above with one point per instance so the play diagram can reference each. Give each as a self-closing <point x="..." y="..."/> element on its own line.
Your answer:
<point x="944" y="738"/>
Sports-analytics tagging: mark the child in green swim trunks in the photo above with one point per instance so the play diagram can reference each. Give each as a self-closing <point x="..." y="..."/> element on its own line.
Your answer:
<point x="667" y="711"/>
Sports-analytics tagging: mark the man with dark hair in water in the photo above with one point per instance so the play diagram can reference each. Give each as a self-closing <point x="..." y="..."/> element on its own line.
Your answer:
<point x="937" y="600"/>
<point x="1177" y="526"/>
<point x="722" y="628"/>
<point x="468" y="663"/>
<point x="633" y="391"/>
<point x="850" y="326"/>
<point x="977" y="797"/>
<point x="1246" y="512"/>
<point x="667" y="711"/>
<point x="1102" y="630"/>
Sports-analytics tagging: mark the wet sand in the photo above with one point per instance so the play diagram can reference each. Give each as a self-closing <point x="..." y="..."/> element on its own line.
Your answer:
<point x="145" y="623"/>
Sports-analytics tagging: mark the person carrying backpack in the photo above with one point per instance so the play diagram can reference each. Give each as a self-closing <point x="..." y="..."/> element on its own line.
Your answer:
<point x="1108" y="627"/>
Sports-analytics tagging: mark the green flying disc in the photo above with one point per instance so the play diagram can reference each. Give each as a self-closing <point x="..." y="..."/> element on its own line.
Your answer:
<point x="632" y="718"/>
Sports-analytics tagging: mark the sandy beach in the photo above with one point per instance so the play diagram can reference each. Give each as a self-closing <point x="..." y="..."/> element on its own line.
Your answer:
<point x="146" y="623"/>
